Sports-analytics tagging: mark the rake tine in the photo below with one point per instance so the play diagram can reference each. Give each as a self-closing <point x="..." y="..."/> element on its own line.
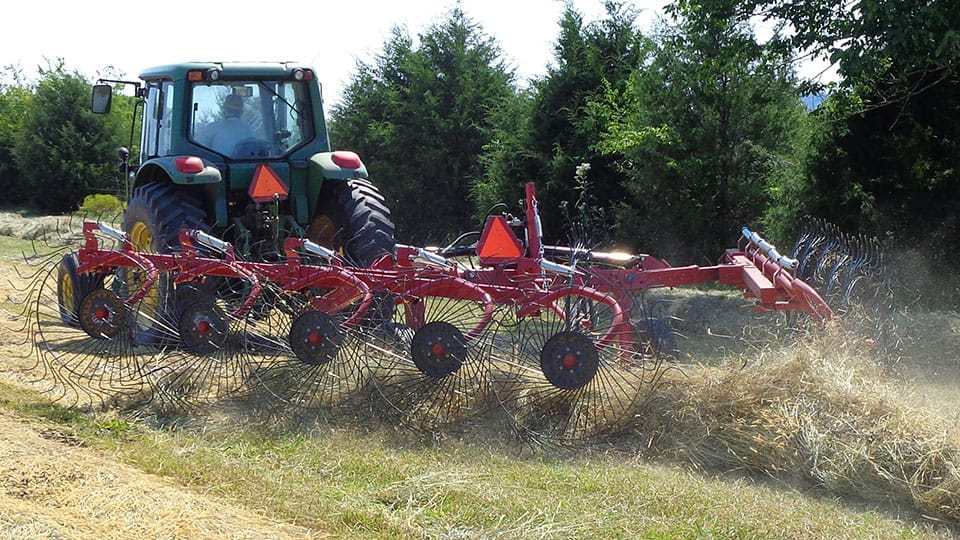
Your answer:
<point x="430" y="361"/>
<point x="311" y="360"/>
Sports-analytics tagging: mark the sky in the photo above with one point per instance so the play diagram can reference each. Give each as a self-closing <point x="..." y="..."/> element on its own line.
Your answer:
<point x="330" y="36"/>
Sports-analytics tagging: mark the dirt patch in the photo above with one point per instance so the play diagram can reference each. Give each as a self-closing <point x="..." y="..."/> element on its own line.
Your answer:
<point x="49" y="489"/>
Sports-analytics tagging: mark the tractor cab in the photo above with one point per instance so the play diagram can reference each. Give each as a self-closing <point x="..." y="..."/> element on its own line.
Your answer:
<point x="245" y="147"/>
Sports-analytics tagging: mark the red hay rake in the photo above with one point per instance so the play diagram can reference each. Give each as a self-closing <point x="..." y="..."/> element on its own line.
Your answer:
<point x="553" y="336"/>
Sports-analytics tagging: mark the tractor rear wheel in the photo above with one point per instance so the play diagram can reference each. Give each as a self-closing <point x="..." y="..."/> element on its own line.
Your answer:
<point x="352" y="217"/>
<point x="154" y="217"/>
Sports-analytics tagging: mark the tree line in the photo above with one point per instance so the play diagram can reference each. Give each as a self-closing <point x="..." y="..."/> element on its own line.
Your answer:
<point x="664" y="141"/>
<point x="669" y="141"/>
<point x="53" y="150"/>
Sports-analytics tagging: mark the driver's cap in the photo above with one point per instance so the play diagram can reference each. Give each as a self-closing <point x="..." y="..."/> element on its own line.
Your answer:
<point x="233" y="103"/>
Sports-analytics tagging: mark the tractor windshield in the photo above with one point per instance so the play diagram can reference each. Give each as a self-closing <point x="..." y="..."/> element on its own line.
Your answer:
<point x="251" y="119"/>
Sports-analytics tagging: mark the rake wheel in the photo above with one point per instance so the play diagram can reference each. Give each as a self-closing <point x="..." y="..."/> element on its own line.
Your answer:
<point x="81" y="328"/>
<point x="574" y="369"/>
<point x="430" y="363"/>
<point x="312" y="360"/>
<point x="213" y="357"/>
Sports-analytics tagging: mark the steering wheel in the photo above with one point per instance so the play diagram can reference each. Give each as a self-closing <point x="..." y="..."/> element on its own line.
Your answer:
<point x="251" y="147"/>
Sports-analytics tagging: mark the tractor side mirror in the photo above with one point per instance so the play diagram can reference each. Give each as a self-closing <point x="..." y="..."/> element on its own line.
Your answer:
<point x="100" y="100"/>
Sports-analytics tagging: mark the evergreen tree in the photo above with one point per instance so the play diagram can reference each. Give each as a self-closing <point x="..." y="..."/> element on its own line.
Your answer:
<point x="545" y="134"/>
<point x="14" y="103"/>
<point x="705" y="133"/>
<point x="63" y="151"/>
<point x="420" y="117"/>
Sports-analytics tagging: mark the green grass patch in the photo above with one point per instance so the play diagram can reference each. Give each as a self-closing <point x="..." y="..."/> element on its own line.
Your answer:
<point x="11" y="247"/>
<point x="373" y="483"/>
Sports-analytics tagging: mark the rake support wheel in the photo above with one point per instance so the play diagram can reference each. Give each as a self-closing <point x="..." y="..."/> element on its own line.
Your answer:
<point x="72" y="288"/>
<point x="204" y="328"/>
<point x="438" y="349"/>
<point x="315" y="338"/>
<point x="574" y="370"/>
<point x="103" y="315"/>
<point x="431" y="362"/>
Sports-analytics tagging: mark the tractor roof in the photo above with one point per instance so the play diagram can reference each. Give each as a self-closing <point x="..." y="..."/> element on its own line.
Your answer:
<point x="230" y="69"/>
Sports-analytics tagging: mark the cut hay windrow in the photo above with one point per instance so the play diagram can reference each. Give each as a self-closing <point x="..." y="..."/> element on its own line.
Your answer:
<point x="820" y="412"/>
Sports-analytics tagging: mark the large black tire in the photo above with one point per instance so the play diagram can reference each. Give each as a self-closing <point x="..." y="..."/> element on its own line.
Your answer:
<point x="72" y="288"/>
<point x="155" y="215"/>
<point x="353" y="217"/>
<point x="166" y="210"/>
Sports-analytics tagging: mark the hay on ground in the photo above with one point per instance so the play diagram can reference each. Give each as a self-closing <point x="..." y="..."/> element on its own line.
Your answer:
<point x="819" y="411"/>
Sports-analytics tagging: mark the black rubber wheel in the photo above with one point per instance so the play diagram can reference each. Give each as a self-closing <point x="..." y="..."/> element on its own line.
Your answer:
<point x="72" y="288"/>
<point x="155" y="215"/>
<point x="660" y="336"/>
<point x="352" y="216"/>
<point x="188" y="294"/>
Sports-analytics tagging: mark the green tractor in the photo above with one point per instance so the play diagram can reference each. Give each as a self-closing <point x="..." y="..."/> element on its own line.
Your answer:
<point x="241" y="150"/>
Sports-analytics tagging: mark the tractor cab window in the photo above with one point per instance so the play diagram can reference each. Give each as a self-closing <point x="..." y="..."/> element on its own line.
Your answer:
<point x="157" y="134"/>
<point x="251" y="119"/>
<point x="148" y="137"/>
<point x="165" y="137"/>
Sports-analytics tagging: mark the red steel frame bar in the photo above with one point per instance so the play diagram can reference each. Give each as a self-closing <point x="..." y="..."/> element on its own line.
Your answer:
<point x="187" y="266"/>
<point x="527" y="282"/>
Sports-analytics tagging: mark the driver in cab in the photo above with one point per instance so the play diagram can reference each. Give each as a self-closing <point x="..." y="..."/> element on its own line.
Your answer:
<point x="224" y="134"/>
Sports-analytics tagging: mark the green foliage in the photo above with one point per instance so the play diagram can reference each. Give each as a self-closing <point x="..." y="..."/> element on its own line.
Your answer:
<point x="14" y="104"/>
<point x="884" y="157"/>
<point x="101" y="204"/>
<point x="874" y="42"/>
<point x="63" y="150"/>
<point x="420" y="117"/>
<point x="702" y="134"/>
<point x="555" y="135"/>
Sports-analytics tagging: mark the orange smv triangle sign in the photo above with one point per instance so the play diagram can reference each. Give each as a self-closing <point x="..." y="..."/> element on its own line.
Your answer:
<point x="266" y="185"/>
<point x="498" y="242"/>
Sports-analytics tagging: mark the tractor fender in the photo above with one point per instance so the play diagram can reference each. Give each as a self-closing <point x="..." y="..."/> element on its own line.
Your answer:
<point x="209" y="174"/>
<point x="323" y="167"/>
<point x="209" y="183"/>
